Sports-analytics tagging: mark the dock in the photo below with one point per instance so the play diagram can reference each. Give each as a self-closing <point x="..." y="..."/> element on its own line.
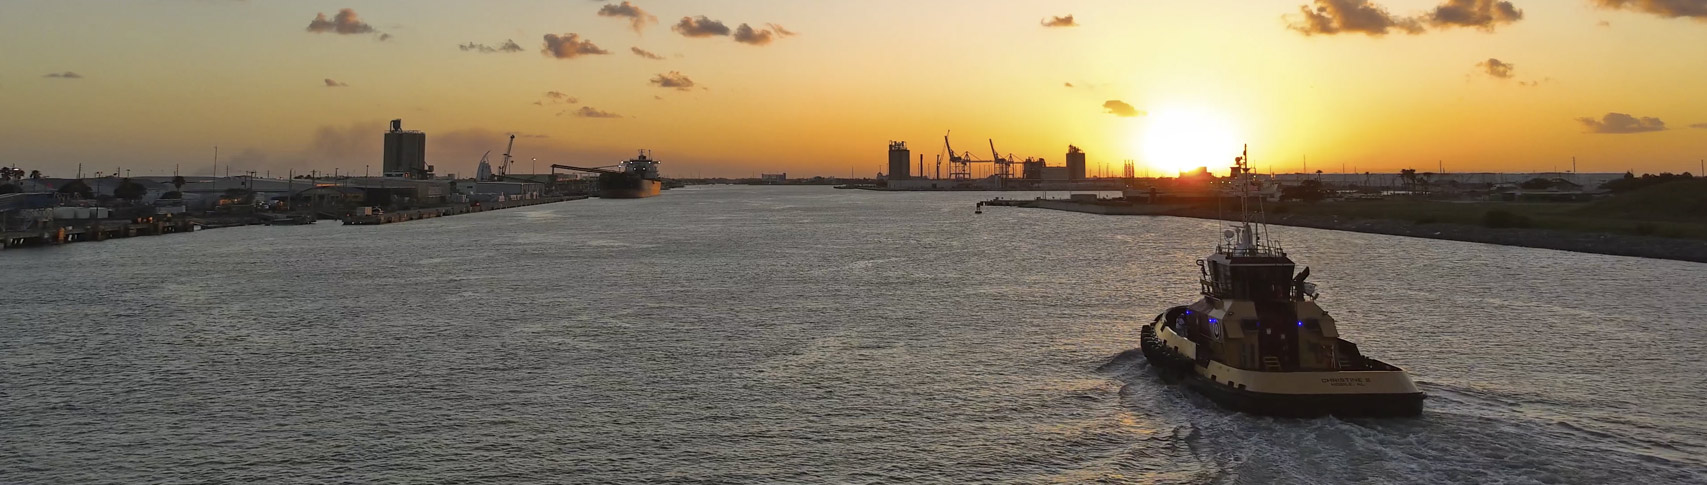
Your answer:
<point x="94" y="231"/>
<point x="429" y="213"/>
<point x="81" y="230"/>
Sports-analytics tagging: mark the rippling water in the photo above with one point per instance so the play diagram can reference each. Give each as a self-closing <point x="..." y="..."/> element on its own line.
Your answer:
<point x="794" y="334"/>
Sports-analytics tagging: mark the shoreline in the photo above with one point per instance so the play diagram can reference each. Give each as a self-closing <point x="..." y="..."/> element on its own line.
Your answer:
<point x="1652" y="247"/>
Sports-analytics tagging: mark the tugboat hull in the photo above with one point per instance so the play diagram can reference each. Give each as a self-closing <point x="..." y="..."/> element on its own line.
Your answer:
<point x="1308" y="405"/>
<point x="1176" y="367"/>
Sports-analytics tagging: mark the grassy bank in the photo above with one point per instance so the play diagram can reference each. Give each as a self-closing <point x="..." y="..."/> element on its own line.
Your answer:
<point x="1561" y="216"/>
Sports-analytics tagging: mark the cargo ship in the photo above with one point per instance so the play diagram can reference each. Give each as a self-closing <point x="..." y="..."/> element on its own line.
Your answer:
<point x="635" y="178"/>
<point x="1257" y="341"/>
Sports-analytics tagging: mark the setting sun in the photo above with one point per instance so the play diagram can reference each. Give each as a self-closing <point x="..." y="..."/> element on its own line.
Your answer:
<point x="1179" y="138"/>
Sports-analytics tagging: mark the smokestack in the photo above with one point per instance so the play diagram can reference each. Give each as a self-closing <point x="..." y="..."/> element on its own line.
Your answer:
<point x="396" y="125"/>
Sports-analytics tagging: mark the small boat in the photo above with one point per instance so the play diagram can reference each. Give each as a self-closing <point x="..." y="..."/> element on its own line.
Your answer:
<point x="1257" y="341"/>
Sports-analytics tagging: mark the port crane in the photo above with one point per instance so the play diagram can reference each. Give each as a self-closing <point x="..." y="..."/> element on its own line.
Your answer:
<point x="960" y="165"/>
<point x="505" y="169"/>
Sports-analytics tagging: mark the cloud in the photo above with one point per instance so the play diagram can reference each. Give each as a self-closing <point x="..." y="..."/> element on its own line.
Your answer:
<point x="1068" y="84"/>
<point x="1494" y="68"/>
<point x="64" y="75"/>
<point x="1696" y="9"/>
<point x="1120" y="108"/>
<point x="1699" y="125"/>
<point x="557" y="97"/>
<point x="591" y="112"/>
<point x="673" y="80"/>
<point x="569" y="46"/>
<point x="645" y="53"/>
<point x="637" y="17"/>
<point x="1482" y="14"/>
<point x="1617" y="123"/>
<point x="345" y="23"/>
<point x="509" y="45"/>
<point x="384" y="37"/>
<point x="1351" y="16"/>
<point x="1603" y="23"/>
<point x="1060" y="22"/>
<point x="335" y="84"/>
<point x="748" y="35"/>
<point x="700" y="27"/>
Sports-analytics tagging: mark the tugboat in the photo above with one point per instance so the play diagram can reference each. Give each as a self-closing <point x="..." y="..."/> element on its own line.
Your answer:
<point x="1257" y="341"/>
<point x="638" y="178"/>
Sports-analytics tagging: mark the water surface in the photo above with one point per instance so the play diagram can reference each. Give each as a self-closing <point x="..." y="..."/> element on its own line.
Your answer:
<point x="805" y="334"/>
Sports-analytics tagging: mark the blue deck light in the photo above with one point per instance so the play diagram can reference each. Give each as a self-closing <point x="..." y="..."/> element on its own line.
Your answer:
<point x="1300" y="323"/>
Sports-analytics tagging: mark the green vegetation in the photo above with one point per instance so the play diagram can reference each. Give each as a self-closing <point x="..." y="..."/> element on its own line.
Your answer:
<point x="1499" y="218"/>
<point x="1676" y="199"/>
<point x="1631" y="182"/>
<point x="1307" y="191"/>
<point x="1605" y="216"/>
<point x="78" y="188"/>
<point x="130" y="190"/>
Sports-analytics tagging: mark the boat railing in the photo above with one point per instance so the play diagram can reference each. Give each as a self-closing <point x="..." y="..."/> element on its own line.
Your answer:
<point x="1251" y="251"/>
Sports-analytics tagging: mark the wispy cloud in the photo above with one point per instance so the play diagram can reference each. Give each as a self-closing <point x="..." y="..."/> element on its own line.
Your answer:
<point x="1120" y="108"/>
<point x="1060" y="22"/>
<point x="557" y="97"/>
<point x="1351" y="16"/>
<point x="637" y="17"/>
<point x="1481" y="14"/>
<point x="1696" y="9"/>
<point x="1699" y="125"/>
<point x="644" y="53"/>
<point x="748" y="35"/>
<point x="569" y="46"/>
<point x="509" y="45"/>
<point x="1330" y="17"/>
<point x="591" y="112"/>
<point x="335" y="84"/>
<point x="345" y="22"/>
<point x="64" y="75"/>
<point x="700" y="27"/>
<point x="673" y="80"/>
<point x="1495" y="68"/>
<point x="1067" y="84"/>
<point x="1620" y="123"/>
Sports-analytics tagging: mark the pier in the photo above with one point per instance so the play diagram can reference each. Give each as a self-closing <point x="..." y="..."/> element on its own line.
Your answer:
<point x="94" y="231"/>
<point x="80" y="230"/>
<point x="429" y="213"/>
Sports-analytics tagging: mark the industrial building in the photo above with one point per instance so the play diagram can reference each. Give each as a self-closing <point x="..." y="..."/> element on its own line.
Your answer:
<point x="406" y="153"/>
<point x="899" y="158"/>
<point x="1075" y="163"/>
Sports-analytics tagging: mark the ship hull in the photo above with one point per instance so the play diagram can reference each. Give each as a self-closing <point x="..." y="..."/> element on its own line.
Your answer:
<point x="1175" y="367"/>
<point x="625" y="186"/>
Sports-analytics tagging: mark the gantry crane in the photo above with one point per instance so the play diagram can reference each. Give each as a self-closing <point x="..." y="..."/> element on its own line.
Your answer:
<point x="960" y="165"/>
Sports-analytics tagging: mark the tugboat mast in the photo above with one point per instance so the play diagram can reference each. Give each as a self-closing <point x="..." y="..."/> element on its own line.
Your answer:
<point x="1250" y="236"/>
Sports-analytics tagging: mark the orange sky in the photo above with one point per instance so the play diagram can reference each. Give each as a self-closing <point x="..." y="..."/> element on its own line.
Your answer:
<point x="1377" y="85"/>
